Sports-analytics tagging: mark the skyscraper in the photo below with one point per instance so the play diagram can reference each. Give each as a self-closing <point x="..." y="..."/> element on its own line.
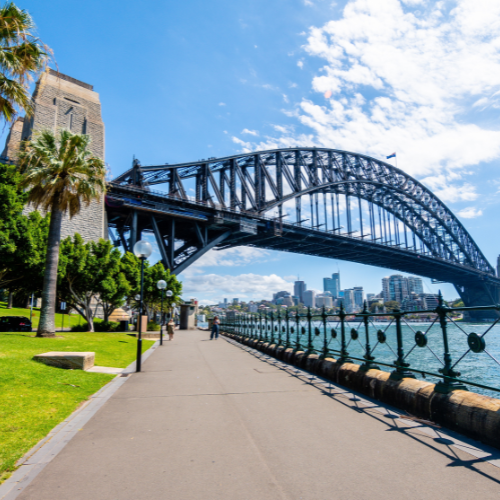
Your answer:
<point x="415" y="285"/>
<point x="310" y="298"/>
<point x="395" y="287"/>
<point x="358" y="296"/>
<point x="299" y="288"/>
<point x="332" y="284"/>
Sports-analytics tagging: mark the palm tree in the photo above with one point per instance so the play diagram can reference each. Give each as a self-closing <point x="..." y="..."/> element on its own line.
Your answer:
<point x="22" y="56"/>
<point x="61" y="174"/>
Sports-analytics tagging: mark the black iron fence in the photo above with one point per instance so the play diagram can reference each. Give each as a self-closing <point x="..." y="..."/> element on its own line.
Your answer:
<point x="433" y="344"/>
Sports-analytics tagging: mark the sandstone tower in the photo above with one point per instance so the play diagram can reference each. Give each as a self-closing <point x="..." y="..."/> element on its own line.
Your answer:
<point x="64" y="102"/>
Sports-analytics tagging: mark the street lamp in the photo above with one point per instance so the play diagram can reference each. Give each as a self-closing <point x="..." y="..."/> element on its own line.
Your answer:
<point x="162" y="284"/>
<point x="142" y="250"/>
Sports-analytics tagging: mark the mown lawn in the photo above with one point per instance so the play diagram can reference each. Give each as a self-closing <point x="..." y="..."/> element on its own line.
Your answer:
<point x="34" y="397"/>
<point x="69" y="319"/>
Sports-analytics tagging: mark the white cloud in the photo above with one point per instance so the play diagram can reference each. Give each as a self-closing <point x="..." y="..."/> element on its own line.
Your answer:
<point x="285" y="98"/>
<point x="469" y="213"/>
<point x="300" y="64"/>
<point x="231" y="257"/>
<point x="405" y="80"/>
<point x="247" y="146"/>
<point x="222" y="103"/>
<point x="214" y="287"/>
<point x="251" y="132"/>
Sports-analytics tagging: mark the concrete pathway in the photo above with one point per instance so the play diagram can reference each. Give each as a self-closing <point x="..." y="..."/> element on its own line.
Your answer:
<point x="207" y="420"/>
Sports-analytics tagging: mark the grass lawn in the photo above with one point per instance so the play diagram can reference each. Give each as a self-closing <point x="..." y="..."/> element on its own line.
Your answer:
<point x="34" y="397"/>
<point x="69" y="319"/>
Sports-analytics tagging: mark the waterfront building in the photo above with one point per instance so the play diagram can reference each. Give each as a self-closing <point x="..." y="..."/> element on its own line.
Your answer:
<point x="348" y="300"/>
<point x="299" y="287"/>
<point x="359" y="296"/>
<point x="252" y="307"/>
<point x="395" y="287"/>
<point x="309" y="298"/>
<point x="332" y="284"/>
<point x="415" y="285"/>
<point x="324" y="299"/>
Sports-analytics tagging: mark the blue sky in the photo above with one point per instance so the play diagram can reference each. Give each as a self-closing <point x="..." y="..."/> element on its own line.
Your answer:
<point x="180" y="81"/>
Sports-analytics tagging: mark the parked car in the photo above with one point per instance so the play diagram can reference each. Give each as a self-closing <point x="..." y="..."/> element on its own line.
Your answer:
<point x="14" y="324"/>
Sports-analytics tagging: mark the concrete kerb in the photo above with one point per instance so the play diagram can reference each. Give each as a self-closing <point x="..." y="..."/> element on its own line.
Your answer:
<point x="32" y="463"/>
<point x="465" y="412"/>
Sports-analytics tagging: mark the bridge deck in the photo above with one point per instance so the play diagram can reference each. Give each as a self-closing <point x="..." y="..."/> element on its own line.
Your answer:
<point x="207" y="420"/>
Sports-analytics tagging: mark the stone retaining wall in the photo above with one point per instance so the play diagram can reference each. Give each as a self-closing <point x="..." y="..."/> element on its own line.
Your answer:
<point x="466" y="412"/>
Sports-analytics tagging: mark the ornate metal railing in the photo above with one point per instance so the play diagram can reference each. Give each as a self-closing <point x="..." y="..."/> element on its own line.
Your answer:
<point x="434" y="343"/>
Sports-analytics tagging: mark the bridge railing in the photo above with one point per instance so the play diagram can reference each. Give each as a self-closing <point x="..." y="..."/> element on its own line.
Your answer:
<point x="434" y="344"/>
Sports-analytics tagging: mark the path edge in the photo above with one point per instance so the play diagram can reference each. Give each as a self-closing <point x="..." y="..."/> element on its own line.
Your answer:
<point x="35" y="460"/>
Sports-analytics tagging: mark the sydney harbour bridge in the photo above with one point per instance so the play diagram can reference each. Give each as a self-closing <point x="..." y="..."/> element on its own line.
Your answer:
<point x="314" y="201"/>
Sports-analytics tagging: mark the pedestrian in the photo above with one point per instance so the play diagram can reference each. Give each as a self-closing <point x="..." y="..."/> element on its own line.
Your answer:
<point x="215" y="328"/>
<point x="171" y="329"/>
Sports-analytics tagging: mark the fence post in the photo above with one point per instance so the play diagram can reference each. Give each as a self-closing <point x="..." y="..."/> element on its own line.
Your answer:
<point x="368" y="364"/>
<point x="310" y="346"/>
<point x="298" y="346"/>
<point x="400" y="372"/>
<point x="447" y="384"/>
<point x="324" y="352"/>
<point x="344" y="355"/>
<point x="272" y="327"/>
<point x="287" y="319"/>
<point x="279" y="328"/>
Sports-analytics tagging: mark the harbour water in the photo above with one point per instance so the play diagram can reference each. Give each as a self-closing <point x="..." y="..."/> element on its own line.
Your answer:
<point x="482" y="368"/>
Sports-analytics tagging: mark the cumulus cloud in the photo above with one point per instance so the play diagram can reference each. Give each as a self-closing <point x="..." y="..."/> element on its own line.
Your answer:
<point x="251" y="132"/>
<point x="231" y="257"/>
<point x="406" y="80"/>
<point x="470" y="213"/>
<point x="213" y="287"/>
<point x="300" y="64"/>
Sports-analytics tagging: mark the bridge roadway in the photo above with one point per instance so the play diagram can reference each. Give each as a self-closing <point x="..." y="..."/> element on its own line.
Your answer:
<point x="207" y="420"/>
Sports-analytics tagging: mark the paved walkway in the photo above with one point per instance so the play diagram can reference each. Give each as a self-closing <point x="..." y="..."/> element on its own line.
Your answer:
<point x="207" y="420"/>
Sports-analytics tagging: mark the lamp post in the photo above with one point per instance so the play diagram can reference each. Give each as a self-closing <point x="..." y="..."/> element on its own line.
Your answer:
<point x="162" y="284"/>
<point x="142" y="250"/>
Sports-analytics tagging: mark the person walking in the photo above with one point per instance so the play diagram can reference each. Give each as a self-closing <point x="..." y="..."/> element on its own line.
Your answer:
<point x="171" y="328"/>
<point x="215" y="328"/>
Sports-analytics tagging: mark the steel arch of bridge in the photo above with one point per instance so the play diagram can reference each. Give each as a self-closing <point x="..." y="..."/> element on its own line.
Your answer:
<point x="258" y="182"/>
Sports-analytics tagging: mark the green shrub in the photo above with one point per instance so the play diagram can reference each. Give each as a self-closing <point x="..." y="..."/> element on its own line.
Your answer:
<point x="99" y="326"/>
<point x="153" y="327"/>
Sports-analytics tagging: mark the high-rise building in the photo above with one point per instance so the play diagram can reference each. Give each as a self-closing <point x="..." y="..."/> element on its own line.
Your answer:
<point x="252" y="307"/>
<point x="310" y="298"/>
<point x="348" y="300"/>
<point x="299" y="287"/>
<point x="395" y="287"/>
<point x="415" y="285"/>
<point x="235" y="301"/>
<point x="359" y="296"/>
<point x="324" y="299"/>
<point x="332" y="284"/>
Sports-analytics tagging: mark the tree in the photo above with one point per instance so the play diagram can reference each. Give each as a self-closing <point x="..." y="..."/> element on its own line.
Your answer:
<point x="62" y="175"/>
<point x="391" y="305"/>
<point x="22" y="56"/>
<point x="376" y="306"/>
<point x="111" y="283"/>
<point x="152" y="274"/>
<point x="23" y="238"/>
<point x="91" y="273"/>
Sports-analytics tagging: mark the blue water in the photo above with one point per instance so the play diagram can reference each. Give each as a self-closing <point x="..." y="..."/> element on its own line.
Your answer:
<point x="481" y="368"/>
